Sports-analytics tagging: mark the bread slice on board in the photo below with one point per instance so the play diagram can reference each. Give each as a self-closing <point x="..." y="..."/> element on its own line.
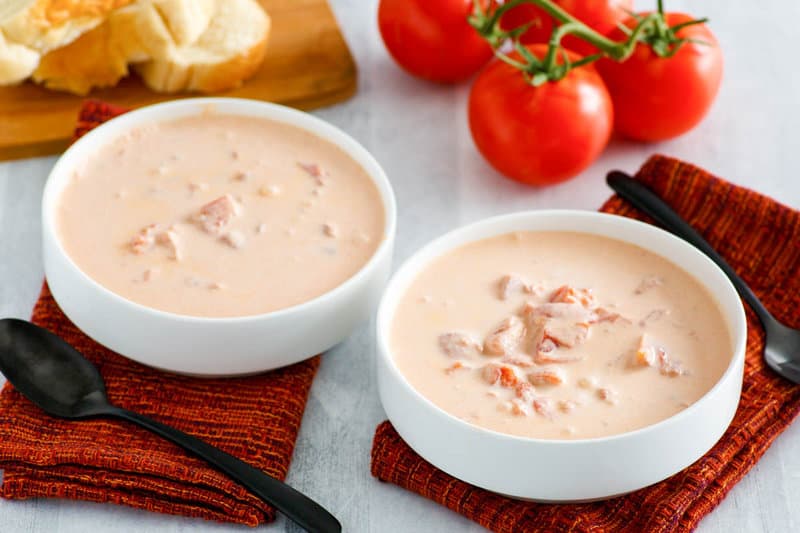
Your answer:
<point x="149" y="28"/>
<point x="175" y="45"/>
<point x="229" y="51"/>
<point x="186" y="20"/>
<point x="134" y="33"/>
<point x="94" y="59"/>
<point x="30" y="28"/>
<point x="17" y="62"/>
<point x="44" y="25"/>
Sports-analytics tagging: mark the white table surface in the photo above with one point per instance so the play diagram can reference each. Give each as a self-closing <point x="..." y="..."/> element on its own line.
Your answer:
<point x="419" y="134"/>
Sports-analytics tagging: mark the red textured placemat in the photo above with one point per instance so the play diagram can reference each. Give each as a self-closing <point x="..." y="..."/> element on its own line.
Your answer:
<point x="255" y="419"/>
<point x="760" y="238"/>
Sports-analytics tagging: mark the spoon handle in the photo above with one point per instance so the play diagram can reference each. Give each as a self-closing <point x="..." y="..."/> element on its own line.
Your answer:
<point x="649" y="202"/>
<point x="296" y="506"/>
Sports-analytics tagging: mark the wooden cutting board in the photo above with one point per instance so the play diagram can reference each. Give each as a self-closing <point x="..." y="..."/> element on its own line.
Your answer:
<point x="308" y="65"/>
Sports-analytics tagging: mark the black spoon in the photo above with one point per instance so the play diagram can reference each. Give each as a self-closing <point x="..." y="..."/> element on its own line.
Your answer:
<point x="782" y="345"/>
<point x="54" y="376"/>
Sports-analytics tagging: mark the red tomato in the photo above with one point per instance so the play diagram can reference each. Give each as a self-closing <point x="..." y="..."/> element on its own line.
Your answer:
<point x="539" y="135"/>
<point x="432" y="38"/>
<point x="659" y="98"/>
<point x="600" y="15"/>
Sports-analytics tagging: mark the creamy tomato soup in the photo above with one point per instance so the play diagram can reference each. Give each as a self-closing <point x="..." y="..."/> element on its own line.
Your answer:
<point x="559" y="335"/>
<point x="220" y="215"/>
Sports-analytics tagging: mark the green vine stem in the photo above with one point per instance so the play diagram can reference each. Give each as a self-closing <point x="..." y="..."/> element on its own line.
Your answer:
<point x="651" y="29"/>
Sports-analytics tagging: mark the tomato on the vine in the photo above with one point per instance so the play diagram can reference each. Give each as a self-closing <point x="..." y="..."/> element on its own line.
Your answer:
<point x="544" y="134"/>
<point x="657" y="98"/>
<point x="432" y="39"/>
<point x="602" y="16"/>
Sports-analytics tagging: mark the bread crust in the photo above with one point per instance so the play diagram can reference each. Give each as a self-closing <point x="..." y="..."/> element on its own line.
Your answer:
<point x="170" y="76"/>
<point x="230" y="43"/>
<point x="233" y="73"/>
<point x="91" y="61"/>
<point x="44" y="25"/>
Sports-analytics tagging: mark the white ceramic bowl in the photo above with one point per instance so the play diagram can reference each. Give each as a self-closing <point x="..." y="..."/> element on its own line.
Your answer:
<point x="213" y="346"/>
<point x="563" y="470"/>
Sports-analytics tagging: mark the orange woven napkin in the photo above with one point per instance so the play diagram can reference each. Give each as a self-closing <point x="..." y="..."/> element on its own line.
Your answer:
<point x="255" y="419"/>
<point x="760" y="238"/>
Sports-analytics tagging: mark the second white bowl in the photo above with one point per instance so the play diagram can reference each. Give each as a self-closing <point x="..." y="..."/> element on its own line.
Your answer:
<point x="562" y="470"/>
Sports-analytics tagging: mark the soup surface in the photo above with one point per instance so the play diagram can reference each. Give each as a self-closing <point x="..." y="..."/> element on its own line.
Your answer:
<point x="220" y="215"/>
<point x="559" y="335"/>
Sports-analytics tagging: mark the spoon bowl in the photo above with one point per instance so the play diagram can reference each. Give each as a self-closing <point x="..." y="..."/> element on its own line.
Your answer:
<point x="63" y="383"/>
<point x="782" y="348"/>
<point x="48" y="371"/>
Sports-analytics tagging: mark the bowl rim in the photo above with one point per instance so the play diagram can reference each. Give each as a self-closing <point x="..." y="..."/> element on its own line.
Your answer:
<point x="413" y="266"/>
<point x="103" y="134"/>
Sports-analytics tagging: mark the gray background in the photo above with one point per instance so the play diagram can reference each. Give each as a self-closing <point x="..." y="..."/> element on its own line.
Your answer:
<point x="419" y="134"/>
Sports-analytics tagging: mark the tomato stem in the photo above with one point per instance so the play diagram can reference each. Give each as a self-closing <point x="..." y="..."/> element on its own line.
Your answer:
<point x="651" y="29"/>
<point x="677" y="27"/>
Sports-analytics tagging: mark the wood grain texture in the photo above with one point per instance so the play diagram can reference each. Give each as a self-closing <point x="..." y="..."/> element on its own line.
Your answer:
<point x="308" y="65"/>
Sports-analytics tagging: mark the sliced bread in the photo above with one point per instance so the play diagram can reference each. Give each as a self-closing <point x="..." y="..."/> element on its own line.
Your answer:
<point x="175" y="45"/>
<point x="44" y="25"/>
<point x="17" y="62"/>
<point x="229" y="51"/>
